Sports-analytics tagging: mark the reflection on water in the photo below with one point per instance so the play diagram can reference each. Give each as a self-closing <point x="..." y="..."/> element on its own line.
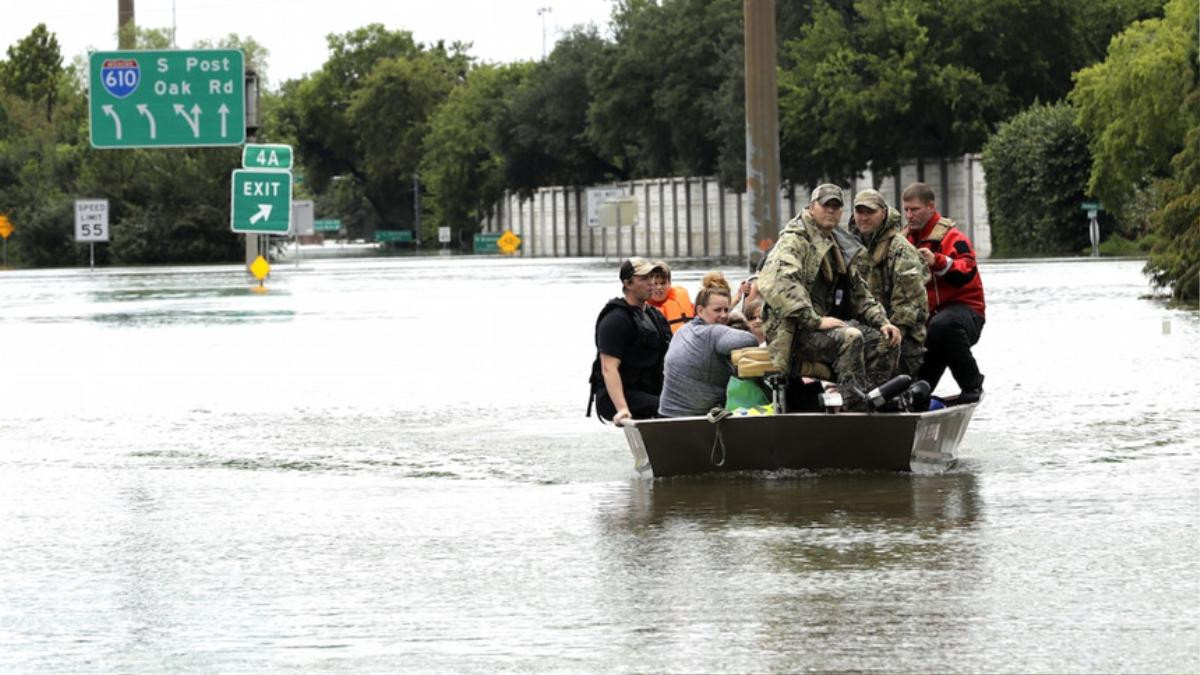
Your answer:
<point x="384" y="465"/>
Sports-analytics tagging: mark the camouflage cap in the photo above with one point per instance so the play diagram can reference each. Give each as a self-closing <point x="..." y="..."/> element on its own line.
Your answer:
<point x="825" y="192"/>
<point x="636" y="267"/>
<point x="872" y="199"/>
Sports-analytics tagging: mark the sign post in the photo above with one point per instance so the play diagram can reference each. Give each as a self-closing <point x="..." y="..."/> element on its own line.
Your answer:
<point x="91" y="224"/>
<point x="167" y="98"/>
<point x="302" y="223"/>
<point x="6" y="228"/>
<point x="1093" y="210"/>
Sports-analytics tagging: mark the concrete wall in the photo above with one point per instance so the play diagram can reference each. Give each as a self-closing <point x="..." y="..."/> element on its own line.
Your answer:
<point x="693" y="217"/>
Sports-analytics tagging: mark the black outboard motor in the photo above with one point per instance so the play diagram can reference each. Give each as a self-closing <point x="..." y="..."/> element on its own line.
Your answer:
<point x="889" y="390"/>
<point x="916" y="397"/>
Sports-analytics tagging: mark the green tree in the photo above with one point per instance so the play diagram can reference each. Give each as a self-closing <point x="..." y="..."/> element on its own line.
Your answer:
<point x="462" y="166"/>
<point x="869" y="82"/>
<point x="1141" y="110"/>
<point x="364" y="115"/>
<point x="1037" y="166"/>
<point x="668" y="93"/>
<point x="1132" y="104"/>
<point x="542" y="135"/>
<point x="33" y="68"/>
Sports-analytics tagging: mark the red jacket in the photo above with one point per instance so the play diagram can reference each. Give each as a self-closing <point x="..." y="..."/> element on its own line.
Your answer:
<point x="955" y="276"/>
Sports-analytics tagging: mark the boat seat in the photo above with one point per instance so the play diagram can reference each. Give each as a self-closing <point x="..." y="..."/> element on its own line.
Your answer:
<point x="756" y="362"/>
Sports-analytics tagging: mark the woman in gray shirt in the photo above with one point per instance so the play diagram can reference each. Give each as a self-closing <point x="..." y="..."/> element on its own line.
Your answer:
<point x="697" y="366"/>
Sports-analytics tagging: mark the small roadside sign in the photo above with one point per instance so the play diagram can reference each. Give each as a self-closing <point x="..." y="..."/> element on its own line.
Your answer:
<point x="485" y="242"/>
<point x="267" y="156"/>
<point x="327" y="225"/>
<point x="91" y="220"/>
<point x="508" y="242"/>
<point x="302" y="218"/>
<point x="443" y="235"/>
<point x="6" y="226"/>
<point x="1089" y="206"/>
<point x="597" y="197"/>
<point x="394" y="236"/>
<point x="260" y="201"/>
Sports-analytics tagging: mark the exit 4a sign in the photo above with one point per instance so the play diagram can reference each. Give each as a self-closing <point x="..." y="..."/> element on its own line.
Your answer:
<point x="267" y="156"/>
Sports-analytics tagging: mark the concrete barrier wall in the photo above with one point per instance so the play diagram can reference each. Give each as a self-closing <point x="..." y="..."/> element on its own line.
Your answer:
<point x="693" y="217"/>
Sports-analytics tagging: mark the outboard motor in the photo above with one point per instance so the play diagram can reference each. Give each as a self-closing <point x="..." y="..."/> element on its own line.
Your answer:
<point x="916" y="397"/>
<point x="889" y="390"/>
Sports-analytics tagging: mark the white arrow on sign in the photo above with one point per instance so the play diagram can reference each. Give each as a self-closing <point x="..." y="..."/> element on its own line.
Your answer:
<point x="194" y="121"/>
<point x="264" y="212"/>
<point x="145" y="110"/>
<point x="108" y="110"/>
<point x="224" y="111"/>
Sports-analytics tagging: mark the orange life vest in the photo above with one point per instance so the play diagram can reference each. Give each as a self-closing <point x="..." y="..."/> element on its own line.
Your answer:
<point x="677" y="307"/>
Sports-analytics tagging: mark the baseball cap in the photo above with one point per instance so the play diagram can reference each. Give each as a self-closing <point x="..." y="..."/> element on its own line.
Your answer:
<point x="825" y="192"/>
<point x="872" y="199"/>
<point x="637" y="267"/>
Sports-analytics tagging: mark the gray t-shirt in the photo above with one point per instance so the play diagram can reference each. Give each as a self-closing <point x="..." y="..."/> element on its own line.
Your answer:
<point x="697" y="367"/>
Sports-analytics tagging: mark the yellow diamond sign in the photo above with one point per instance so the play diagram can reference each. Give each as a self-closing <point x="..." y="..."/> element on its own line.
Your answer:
<point x="260" y="268"/>
<point x="6" y="226"/>
<point x="508" y="242"/>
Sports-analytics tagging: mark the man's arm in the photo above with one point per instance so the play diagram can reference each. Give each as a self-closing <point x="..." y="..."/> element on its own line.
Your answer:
<point x="609" y="369"/>
<point x="909" y="298"/>
<point x="957" y="265"/>
<point x="781" y="284"/>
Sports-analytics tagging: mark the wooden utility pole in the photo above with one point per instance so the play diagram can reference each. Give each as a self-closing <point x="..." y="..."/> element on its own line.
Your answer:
<point x="126" y="35"/>
<point x="762" y="127"/>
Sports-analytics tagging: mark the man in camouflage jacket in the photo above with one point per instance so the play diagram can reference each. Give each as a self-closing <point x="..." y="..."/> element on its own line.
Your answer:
<point x="894" y="273"/>
<point x="818" y="306"/>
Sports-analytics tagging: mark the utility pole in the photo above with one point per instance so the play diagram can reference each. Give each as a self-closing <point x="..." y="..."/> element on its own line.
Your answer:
<point x="126" y="34"/>
<point x="542" y="12"/>
<point x="417" y="210"/>
<point x="762" y="127"/>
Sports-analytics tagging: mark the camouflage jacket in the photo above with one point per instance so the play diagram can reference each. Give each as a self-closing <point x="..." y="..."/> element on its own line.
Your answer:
<point x="895" y="275"/>
<point x="802" y="279"/>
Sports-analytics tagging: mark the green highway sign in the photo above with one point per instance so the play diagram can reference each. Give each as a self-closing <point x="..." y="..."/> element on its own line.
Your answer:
<point x="397" y="236"/>
<point x="267" y="156"/>
<point x="167" y="98"/>
<point x="1089" y="206"/>
<point x="487" y="242"/>
<point x="327" y="225"/>
<point x="260" y="201"/>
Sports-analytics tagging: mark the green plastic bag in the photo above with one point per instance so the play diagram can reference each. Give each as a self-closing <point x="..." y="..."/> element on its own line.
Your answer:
<point x="741" y="393"/>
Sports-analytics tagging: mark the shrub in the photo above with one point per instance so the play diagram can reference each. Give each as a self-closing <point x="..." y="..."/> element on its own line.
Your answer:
<point x="1037" y="165"/>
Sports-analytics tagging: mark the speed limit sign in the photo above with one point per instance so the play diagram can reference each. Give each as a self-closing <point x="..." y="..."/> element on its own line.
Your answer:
<point x="91" y="220"/>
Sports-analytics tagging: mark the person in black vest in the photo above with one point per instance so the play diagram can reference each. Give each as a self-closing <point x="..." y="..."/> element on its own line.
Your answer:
<point x="631" y="341"/>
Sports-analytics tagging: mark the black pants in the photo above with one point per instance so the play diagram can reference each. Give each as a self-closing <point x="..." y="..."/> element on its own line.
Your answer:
<point x="952" y="332"/>
<point x="642" y="405"/>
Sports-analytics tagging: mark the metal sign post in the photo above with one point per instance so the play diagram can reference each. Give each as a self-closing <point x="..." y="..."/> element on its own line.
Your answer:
<point x="1093" y="211"/>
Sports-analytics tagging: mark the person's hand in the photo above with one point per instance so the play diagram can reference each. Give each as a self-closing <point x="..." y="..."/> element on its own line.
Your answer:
<point x="893" y="334"/>
<point x="927" y="256"/>
<point x="744" y="288"/>
<point x="622" y="415"/>
<point x="828" y="322"/>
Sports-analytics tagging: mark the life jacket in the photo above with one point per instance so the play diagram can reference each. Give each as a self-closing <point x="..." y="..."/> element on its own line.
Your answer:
<point x="676" y="307"/>
<point x="644" y="373"/>
<point x="960" y="282"/>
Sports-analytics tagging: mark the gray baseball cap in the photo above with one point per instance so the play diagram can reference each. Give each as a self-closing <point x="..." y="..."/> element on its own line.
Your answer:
<point x="825" y="192"/>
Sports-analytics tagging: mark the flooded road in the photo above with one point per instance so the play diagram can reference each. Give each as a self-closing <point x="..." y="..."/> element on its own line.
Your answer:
<point x="384" y="465"/>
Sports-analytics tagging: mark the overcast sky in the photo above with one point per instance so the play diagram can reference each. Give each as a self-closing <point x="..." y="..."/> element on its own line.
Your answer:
<point x="294" y="30"/>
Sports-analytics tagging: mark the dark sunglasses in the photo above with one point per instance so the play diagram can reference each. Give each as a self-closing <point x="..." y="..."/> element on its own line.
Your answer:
<point x="864" y="209"/>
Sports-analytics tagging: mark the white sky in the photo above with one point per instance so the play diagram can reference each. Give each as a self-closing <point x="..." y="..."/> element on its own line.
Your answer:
<point x="294" y="30"/>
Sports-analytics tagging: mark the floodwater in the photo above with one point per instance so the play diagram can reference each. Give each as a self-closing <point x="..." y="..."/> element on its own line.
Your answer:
<point x="384" y="465"/>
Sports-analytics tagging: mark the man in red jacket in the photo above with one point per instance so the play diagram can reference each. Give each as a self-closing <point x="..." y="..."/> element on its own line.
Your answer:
<point x="955" y="291"/>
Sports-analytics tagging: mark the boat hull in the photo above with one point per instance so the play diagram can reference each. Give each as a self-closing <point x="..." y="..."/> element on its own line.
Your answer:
<point x="870" y="441"/>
